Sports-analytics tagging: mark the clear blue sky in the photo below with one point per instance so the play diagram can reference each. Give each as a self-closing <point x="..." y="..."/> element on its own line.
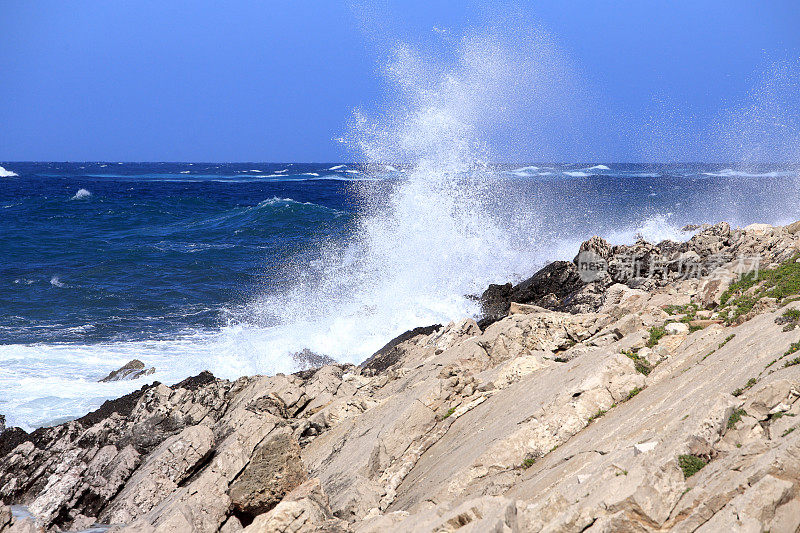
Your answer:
<point x="277" y="80"/>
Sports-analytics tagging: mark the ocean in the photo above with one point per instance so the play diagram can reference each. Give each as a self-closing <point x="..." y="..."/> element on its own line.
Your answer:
<point x="235" y="267"/>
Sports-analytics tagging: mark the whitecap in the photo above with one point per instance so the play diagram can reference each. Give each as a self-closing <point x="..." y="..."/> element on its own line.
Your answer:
<point x="55" y="282"/>
<point x="598" y="167"/>
<point x="337" y="167"/>
<point x="310" y="174"/>
<point x="7" y="173"/>
<point x="185" y="171"/>
<point x="577" y="174"/>
<point x="81" y="194"/>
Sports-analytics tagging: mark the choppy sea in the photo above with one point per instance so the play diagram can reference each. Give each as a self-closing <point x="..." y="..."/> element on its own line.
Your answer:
<point x="234" y="267"/>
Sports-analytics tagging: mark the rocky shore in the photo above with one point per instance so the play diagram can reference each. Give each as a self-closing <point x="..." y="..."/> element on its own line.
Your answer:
<point x="650" y="387"/>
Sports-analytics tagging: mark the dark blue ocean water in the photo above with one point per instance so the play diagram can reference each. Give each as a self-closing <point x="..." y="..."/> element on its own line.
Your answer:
<point x="149" y="250"/>
<point x="234" y="267"/>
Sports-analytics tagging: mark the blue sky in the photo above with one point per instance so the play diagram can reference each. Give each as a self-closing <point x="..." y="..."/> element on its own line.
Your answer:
<point x="278" y="80"/>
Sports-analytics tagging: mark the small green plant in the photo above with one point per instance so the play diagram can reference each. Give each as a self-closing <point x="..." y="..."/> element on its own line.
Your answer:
<point x="639" y="362"/>
<point x="622" y="473"/>
<point x="528" y="462"/>
<point x="740" y="390"/>
<point x="795" y="361"/>
<point x="735" y="417"/>
<point x="560" y="359"/>
<point x="598" y="414"/>
<point x="728" y="339"/>
<point x="633" y="392"/>
<point x="692" y="328"/>
<point x="656" y="332"/>
<point x="691" y="464"/>
<point x="788" y="431"/>
<point x="449" y="412"/>
<point x="792" y="315"/>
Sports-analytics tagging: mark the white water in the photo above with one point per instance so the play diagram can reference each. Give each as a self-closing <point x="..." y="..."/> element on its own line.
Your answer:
<point x="7" y="173"/>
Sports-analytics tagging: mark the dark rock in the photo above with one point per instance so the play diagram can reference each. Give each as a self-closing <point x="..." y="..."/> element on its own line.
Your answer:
<point x="11" y="438"/>
<point x="2" y="424"/>
<point x="132" y="370"/>
<point x="123" y="405"/>
<point x="275" y="469"/>
<point x="307" y="359"/>
<point x="195" y="382"/>
<point x="391" y="352"/>
<point x="495" y="301"/>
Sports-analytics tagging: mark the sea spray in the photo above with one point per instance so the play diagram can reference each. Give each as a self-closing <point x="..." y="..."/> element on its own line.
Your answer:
<point x="427" y="243"/>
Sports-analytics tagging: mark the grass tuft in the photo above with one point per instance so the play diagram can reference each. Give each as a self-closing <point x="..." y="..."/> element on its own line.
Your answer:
<point x="735" y="417"/>
<point x="691" y="464"/>
<point x="656" y="333"/>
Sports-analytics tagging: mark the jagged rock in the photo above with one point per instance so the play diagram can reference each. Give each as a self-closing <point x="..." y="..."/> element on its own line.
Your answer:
<point x="2" y="424"/>
<point x="307" y="359"/>
<point x="392" y="352"/>
<point x="303" y="510"/>
<point x="538" y="422"/>
<point x="274" y="470"/>
<point x="134" y="369"/>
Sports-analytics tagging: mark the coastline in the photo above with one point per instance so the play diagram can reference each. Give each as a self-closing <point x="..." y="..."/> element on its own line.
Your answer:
<point x="598" y="398"/>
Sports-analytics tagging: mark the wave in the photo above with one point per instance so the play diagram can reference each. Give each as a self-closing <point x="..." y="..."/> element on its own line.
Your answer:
<point x="56" y="282"/>
<point x="731" y="173"/>
<point x="576" y="174"/>
<point x="7" y="173"/>
<point x="337" y="167"/>
<point x="598" y="167"/>
<point x="81" y="195"/>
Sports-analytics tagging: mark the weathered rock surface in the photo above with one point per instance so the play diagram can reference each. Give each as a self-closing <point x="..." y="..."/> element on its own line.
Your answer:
<point x="576" y="407"/>
<point x="134" y="369"/>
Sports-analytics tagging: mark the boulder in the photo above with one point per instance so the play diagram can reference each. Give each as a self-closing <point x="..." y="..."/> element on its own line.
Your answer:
<point x="306" y="359"/>
<point x="274" y="470"/>
<point x="677" y="328"/>
<point x="134" y="369"/>
<point x="303" y="510"/>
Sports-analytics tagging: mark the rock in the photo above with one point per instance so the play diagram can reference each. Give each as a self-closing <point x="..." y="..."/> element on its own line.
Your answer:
<point x="677" y="328"/>
<point x="644" y="447"/>
<point x="704" y="323"/>
<point x="2" y="424"/>
<point x="793" y="228"/>
<point x="274" y="470"/>
<point x="596" y="245"/>
<point x="303" y="510"/>
<point x="393" y="351"/>
<point x="306" y="359"/>
<point x="134" y="369"/>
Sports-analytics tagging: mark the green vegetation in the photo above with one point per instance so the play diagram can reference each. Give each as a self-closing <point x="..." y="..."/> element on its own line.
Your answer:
<point x="792" y="315"/>
<point x="528" y="462"/>
<point x="597" y="415"/>
<point x="560" y="359"/>
<point x="788" y="431"/>
<point x="449" y="412"/>
<point x="727" y="340"/>
<point x="691" y="464"/>
<point x="622" y="473"/>
<point x="639" y="362"/>
<point x="633" y="392"/>
<point x="779" y="283"/>
<point x="656" y="333"/>
<point x="735" y="417"/>
<point x="740" y="390"/>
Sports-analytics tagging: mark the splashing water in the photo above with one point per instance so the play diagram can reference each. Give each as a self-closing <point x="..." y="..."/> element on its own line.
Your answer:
<point x="424" y="246"/>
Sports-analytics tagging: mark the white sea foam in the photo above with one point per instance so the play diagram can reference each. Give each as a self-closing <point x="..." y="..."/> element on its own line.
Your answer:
<point x="577" y="174"/>
<point x="337" y="167"/>
<point x="56" y="282"/>
<point x="81" y="194"/>
<point x="731" y="173"/>
<point x="598" y="167"/>
<point x="7" y="173"/>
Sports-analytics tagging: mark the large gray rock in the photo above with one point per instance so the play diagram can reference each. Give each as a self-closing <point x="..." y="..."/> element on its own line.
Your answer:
<point x="275" y="469"/>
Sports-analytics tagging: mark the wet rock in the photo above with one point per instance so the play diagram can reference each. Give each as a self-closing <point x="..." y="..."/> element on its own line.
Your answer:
<point x="134" y="369"/>
<point x="306" y="359"/>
